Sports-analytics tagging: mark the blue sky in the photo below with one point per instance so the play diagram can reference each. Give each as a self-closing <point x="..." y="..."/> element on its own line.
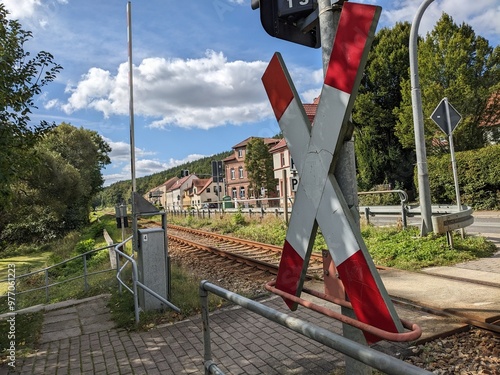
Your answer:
<point x="197" y="70"/>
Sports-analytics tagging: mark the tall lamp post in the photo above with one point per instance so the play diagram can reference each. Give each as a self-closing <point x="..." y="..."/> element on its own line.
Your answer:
<point x="424" y="190"/>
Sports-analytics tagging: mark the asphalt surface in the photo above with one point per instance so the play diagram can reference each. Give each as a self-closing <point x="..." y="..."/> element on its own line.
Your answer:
<point x="79" y="337"/>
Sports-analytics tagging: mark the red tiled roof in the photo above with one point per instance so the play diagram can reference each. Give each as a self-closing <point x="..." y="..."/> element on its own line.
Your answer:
<point x="179" y="183"/>
<point x="278" y="147"/>
<point x="311" y="109"/>
<point x="492" y="111"/>
<point x="207" y="184"/>
<point x="267" y="141"/>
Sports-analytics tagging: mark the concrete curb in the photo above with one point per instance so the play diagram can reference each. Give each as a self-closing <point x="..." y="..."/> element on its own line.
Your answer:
<point x="53" y="306"/>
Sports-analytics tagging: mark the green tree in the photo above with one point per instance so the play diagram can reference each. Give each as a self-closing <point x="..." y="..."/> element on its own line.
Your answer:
<point x="22" y="78"/>
<point x="455" y="63"/>
<point x="380" y="157"/>
<point x="55" y="194"/>
<point x="87" y="153"/>
<point x="44" y="195"/>
<point x="259" y="166"/>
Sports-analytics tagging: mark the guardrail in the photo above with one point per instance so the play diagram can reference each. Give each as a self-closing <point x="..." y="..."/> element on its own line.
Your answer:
<point x="365" y="354"/>
<point x="446" y="223"/>
<point x="371" y="210"/>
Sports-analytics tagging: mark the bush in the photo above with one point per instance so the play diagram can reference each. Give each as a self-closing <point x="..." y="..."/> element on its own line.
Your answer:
<point x="478" y="177"/>
<point x="85" y="246"/>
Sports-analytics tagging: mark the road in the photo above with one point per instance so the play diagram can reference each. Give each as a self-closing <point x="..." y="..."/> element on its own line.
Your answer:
<point x="485" y="223"/>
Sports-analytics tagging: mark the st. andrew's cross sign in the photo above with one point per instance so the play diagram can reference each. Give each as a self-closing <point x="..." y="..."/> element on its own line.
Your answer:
<point x="315" y="149"/>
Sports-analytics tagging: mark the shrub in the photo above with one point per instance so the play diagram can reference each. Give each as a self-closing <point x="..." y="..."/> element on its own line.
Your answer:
<point x="478" y="177"/>
<point x="85" y="246"/>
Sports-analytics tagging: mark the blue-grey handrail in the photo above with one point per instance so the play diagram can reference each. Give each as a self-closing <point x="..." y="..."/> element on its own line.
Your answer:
<point x="46" y="270"/>
<point x="365" y="354"/>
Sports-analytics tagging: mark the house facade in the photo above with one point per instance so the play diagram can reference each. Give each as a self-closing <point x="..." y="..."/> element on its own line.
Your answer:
<point x="282" y="163"/>
<point x="237" y="182"/>
<point x="284" y="170"/>
<point x="175" y="199"/>
<point x="158" y="195"/>
<point x="203" y="191"/>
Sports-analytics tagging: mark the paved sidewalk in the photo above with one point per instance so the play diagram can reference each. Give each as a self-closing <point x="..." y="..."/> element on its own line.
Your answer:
<point x="242" y="343"/>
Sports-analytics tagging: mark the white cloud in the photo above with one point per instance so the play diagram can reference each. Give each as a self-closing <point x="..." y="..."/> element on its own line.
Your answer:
<point x="22" y="8"/>
<point x="309" y="95"/>
<point x="192" y="93"/>
<point x="34" y="11"/>
<point x="143" y="167"/>
<point x="483" y="16"/>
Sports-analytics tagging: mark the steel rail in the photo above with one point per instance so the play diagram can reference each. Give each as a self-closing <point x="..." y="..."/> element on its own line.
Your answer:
<point x="227" y="254"/>
<point x="277" y="249"/>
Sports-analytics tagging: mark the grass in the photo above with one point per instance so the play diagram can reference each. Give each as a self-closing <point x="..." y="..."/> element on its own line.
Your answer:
<point x="388" y="246"/>
<point x="24" y="264"/>
<point x="405" y="249"/>
<point x="185" y="295"/>
<point x="27" y="334"/>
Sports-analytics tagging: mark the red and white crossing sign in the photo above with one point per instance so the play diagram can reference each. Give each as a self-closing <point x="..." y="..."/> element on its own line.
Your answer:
<point x="319" y="200"/>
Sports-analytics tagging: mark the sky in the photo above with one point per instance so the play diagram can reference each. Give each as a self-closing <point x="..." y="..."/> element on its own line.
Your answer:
<point x="197" y="68"/>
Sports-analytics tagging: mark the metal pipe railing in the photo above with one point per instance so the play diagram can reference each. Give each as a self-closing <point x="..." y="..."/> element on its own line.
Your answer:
<point x="47" y="285"/>
<point x="135" y="281"/>
<point x="414" y="330"/>
<point x="403" y="196"/>
<point x="365" y="354"/>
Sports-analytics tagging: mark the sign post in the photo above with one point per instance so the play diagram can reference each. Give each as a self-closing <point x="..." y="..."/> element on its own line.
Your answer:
<point x="447" y="118"/>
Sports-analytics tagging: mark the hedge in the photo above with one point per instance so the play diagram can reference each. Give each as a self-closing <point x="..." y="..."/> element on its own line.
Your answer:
<point x="478" y="178"/>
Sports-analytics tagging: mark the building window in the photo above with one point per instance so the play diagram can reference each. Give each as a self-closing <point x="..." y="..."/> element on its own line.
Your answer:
<point x="282" y="155"/>
<point x="234" y="193"/>
<point x="240" y="171"/>
<point x="208" y="190"/>
<point x="242" y="192"/>
<point x="232" y="174"/>
<point x="240" y="153"/>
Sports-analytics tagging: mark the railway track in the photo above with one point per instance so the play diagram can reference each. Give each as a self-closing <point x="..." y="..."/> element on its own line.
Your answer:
<point x="264" y="257"/>
<point x="251" y="253"/>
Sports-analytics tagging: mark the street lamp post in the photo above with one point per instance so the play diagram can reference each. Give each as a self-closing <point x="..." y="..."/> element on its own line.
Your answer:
<point x="424" y="190"/>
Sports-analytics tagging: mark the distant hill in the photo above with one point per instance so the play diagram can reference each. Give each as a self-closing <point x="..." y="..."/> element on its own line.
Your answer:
<point x="121" y="191"/>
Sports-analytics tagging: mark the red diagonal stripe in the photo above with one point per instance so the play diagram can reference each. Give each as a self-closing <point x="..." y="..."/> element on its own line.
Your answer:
<point x="277" y="87"/>
<point x="364" y="294"/>
<point x="356" y="29"/>
<point x="289" y="272"/>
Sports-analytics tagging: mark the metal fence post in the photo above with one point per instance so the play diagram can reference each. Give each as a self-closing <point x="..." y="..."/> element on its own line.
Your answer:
<point x="118" y="271"/>
<point x="85" y="272"/>
<point x="46" y="285"/>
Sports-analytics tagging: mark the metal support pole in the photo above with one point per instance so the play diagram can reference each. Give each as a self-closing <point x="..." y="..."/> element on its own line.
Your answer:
<point x="85" y="273"/>
<point x="131" y="114"/>
<point x="424" y="190"/>
<point x="46" y="285"/>
<point x="329" y="16"/>
<point x="118" y="270"/>
<point x="453" y="161"/>
<point x="285" y="196"/>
